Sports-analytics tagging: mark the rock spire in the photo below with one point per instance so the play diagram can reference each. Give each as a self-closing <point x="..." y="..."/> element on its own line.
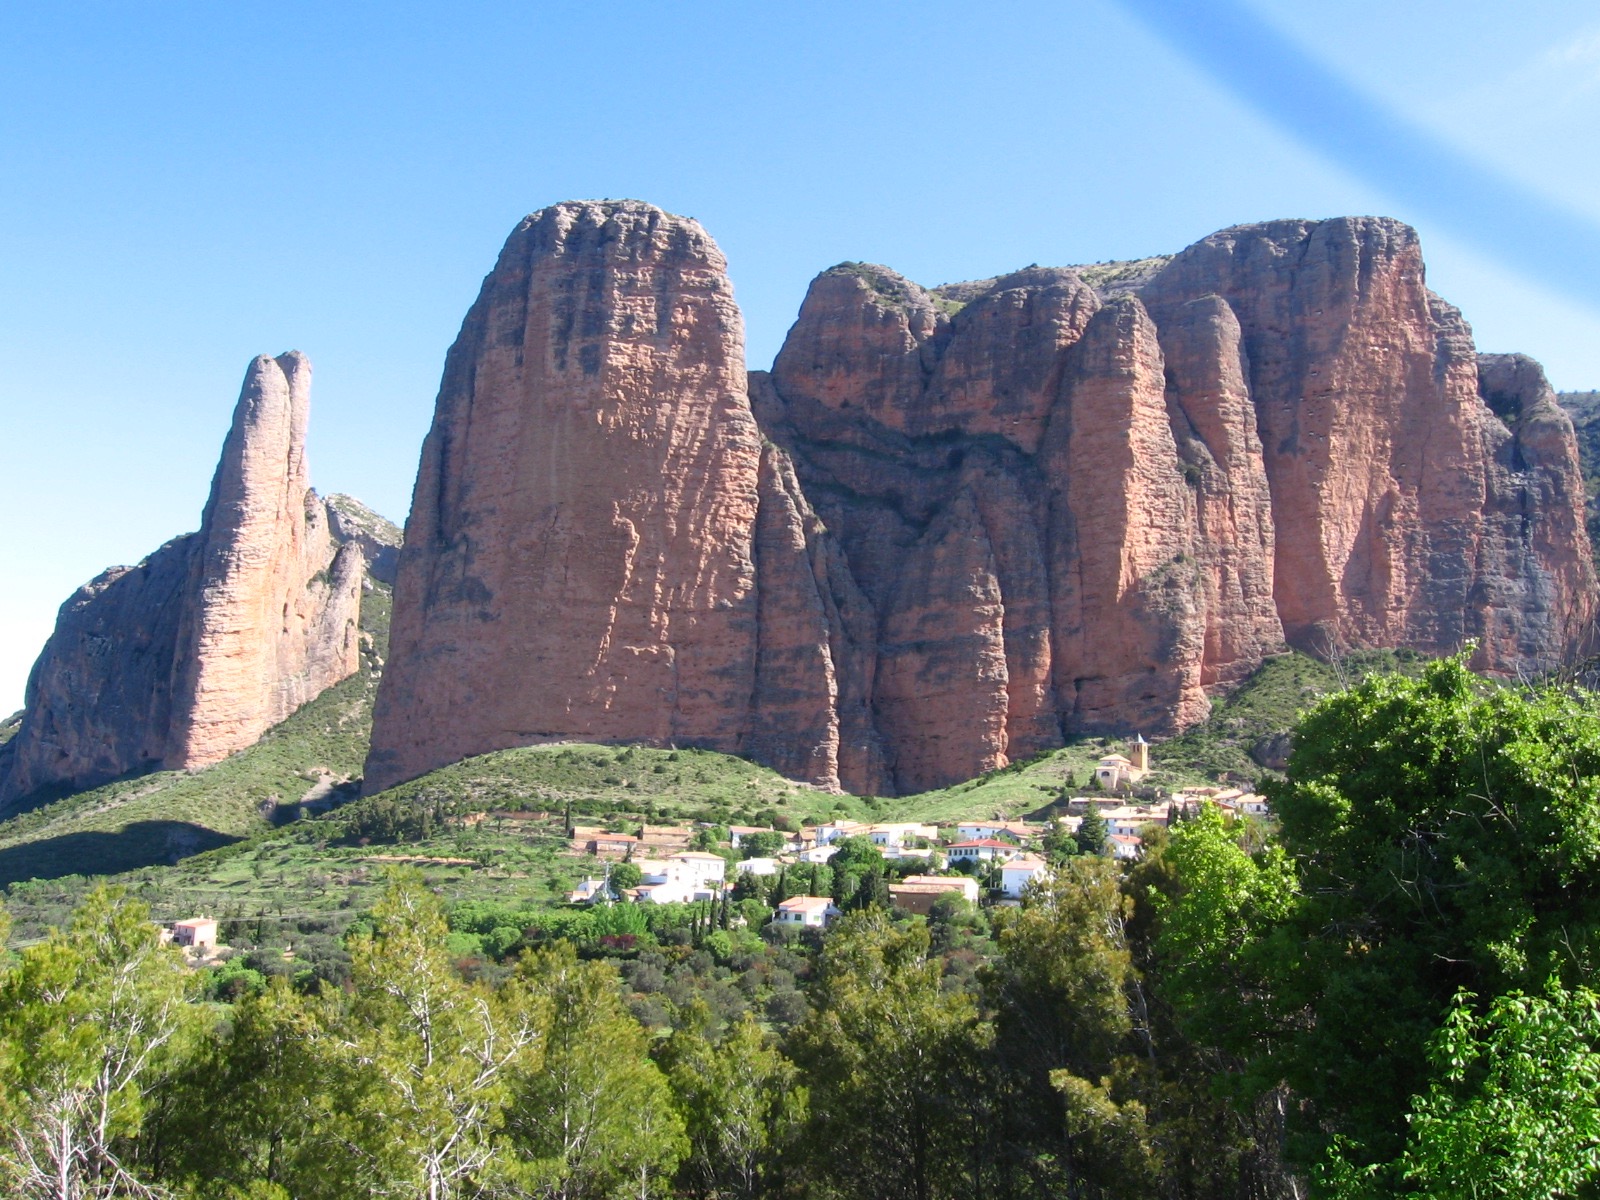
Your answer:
<point x="195" y="652"/>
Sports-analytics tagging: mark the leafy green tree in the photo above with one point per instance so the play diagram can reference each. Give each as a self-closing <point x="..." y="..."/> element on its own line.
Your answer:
<point x="597" y="1117"/>
<point x="1447" y="836"/>
<point x="741" y="1105"/>
<point x="856" y="861"/>
<point x="890" y="1058"/>
<point x="1092" y="836"/>
<point x="1058" y="843"/>
<point x="1216" y="926"/>
<point x="256" y="1106"/>
<point x="1066" y="1041"/>
<point x="1512" y="1110"/>
<point x="91" y="1022"/>
<point x="761" y="845"/>
<point x="625" y="875"/>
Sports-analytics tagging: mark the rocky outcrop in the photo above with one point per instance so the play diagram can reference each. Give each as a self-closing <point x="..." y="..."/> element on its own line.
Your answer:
<point x="578" y="561"/>
<point x="955" y="525"/>
<point x="349" y="520"/>
<point x="1391" y="494"/>
<point x="199" y="649"/>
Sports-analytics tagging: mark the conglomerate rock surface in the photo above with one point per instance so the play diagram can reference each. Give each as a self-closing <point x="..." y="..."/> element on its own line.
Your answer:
<point x="953" y="526"/>
<point x="220" y="634"/>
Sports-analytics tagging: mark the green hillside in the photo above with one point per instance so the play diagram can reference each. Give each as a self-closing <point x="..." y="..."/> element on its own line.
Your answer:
<point x="251" y="837"/>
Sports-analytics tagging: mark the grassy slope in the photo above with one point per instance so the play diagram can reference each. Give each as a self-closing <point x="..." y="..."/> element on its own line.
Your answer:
<point x="299" y="875"/>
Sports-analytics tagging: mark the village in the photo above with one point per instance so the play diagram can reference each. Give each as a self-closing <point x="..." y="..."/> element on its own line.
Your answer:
<point x="979" y="861"/>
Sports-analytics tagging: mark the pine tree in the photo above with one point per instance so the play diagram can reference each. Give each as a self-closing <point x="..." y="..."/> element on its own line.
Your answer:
<point x="1092" y="837"/>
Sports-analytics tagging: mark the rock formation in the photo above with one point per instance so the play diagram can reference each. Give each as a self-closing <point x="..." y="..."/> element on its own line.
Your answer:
<point x="953" y="526"/>
<point x="199" y="649"/>
<point x="578" y="561"/>
<point x="349" y="520"/>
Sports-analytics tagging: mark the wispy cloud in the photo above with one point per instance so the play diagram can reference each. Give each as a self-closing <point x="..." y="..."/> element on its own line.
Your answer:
<point x="1425" y="175"/>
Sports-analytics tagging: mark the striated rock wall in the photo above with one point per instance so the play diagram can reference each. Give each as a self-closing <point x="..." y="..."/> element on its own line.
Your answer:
<point x="217" y="636"/>
<point x="578" y="560"/>
<point x="954" y="525"/>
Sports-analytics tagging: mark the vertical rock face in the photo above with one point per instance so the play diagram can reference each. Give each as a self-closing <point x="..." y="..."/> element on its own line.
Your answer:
<point x="578" y="560"/>
<point x="955" y="525"/>
<point x="1128" y="617"/>
<point x="214" y="638"/>
<point x="274" y="618"/>
<point x="1388" y="472"/>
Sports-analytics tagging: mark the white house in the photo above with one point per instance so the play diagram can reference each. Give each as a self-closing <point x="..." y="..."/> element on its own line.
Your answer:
<point x="1128" y="818"/>
<point x="758" y="866"/>
<point x="1125" y="845"/>
<point x="981" y="850"/>
<point x="697" y="868"/>
<point x="1010" y="831"/>
<point x="835" y="830"/>
<point x="898" y="834"/>
<point x="813" y="912"/>
<point x="919" y="893"/>
<point x="587" y="892"/>
<point x="818" y="854"/>
<point x="653" y="870"/>
<point x="198" y="933"/>
<point x="673" y="891"/>
<point x="1019" y="873"/>
<point x="737" y="833"/>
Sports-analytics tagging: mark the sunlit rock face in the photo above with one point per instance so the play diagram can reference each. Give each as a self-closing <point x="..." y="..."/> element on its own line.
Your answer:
<point x="578" y="561"/>
<point x="195" y="652"/>
<point x="953" y="526"/>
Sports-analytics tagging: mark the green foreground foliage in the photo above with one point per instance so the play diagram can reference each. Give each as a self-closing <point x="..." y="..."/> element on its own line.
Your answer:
<point x="1389" y="995"/>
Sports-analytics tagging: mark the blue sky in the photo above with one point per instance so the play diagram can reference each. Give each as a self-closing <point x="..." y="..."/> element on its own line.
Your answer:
<point x="185" y="185"/>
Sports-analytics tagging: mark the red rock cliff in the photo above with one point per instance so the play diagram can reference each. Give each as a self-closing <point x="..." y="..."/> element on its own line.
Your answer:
<point x="953" y="526"/>
<point x="578" y="560"/>
<point x="195" y="652"/>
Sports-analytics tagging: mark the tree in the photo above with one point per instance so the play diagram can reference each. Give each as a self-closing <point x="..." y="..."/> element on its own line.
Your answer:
<point x="1092" y="836"/>
<point x="1512" y="1109"/>
<point x="891" y="1061"/>
<point x="1066" y="1041"/>
<point x="761" y="845"/>
<point x="1214" y="926"/>
<point x="254" y="1107"/>
<point x="598" y="1115"/>
<point x="1058" y="843"/>
<point x="428" y="1059"/>
<point x="856" y="860"/>
<point x="91" y="1021"/>
<point x="625" y="875"/>
<point x="741" y="1105"/>
<point x="1446" y="833"/>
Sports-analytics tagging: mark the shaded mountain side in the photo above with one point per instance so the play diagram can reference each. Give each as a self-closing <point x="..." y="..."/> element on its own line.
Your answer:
<point x="9" y="727"/>
<point x="1584" y="409"/>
